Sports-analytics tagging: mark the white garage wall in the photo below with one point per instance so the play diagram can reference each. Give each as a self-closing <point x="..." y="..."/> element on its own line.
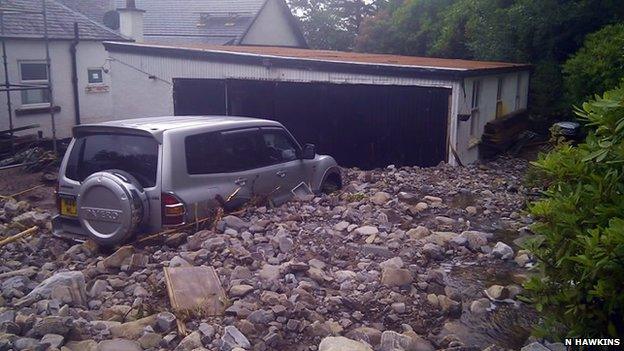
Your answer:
<point x="514" y="84"/>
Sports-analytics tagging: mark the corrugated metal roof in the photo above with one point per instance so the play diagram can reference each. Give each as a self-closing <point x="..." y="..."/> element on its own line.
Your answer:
<point x="60" y="19"/>
<point x="428" y="64"/>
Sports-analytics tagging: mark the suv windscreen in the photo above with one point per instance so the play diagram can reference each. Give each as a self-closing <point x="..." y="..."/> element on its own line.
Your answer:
<point x="135" y="154"/>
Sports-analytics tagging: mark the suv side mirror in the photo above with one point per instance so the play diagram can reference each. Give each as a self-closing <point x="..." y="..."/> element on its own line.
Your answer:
<point x="309" y="152"/>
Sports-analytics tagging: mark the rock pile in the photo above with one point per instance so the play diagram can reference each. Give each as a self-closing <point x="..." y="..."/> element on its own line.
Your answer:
<point x="373" y="267"/>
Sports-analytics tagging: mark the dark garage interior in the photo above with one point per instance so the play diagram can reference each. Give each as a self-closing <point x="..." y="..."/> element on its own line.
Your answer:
<point x="365" y="126"/>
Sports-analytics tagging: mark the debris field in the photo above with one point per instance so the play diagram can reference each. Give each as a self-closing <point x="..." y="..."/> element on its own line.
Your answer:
<point x="400" y="259"/>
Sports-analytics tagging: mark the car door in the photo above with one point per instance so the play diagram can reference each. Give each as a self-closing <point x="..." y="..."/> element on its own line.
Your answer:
<point x="220" y="170"/>
<point x="284" y="169"/>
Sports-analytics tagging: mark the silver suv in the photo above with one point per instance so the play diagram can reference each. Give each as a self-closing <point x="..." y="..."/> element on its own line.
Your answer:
<point x="144" y="175"/>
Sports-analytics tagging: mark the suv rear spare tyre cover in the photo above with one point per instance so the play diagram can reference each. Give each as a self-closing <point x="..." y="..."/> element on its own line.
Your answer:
<point x="112" y="205"/>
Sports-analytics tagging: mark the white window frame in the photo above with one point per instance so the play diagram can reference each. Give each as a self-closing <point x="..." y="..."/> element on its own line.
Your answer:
<point x="500" y="88"/>
<point x="474" y="107"/>
<point x="89" y="76"/>
<point x="39" y="81"/>
<point x="518" y="86"/>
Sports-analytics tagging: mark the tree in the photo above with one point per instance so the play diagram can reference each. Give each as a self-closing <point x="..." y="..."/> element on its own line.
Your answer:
<point x="408" y="28"/>
<point x="598" y="66"/>
<point x="541" y="32"/>
<point x="333" y="24"/>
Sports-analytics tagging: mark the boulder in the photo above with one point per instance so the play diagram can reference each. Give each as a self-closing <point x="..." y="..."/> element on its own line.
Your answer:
<point x="119" y="258"/>
<point x="409" y="341"/>
<point x="369" y="335"/>
<point x="380" y="198"/>
<point x="118" y="345"/>
<point x="233" y="338"/>
<point x="190" y="342"/>
<point x="502" y="251"/>
<point x="52" y="325"/>
<point x="235" y="222"/>
<point x="72" y="280"/>
<point x="396" y="277"/>
<point x="132" y="330"/>
<point x="340" y="343"/>
<point x="366" y="230"/>
<point x="240" y="290"/>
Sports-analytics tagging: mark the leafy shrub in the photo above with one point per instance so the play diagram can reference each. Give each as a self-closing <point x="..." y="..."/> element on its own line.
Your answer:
<point x="580" y="227"/>
<point x="598" y="66"/>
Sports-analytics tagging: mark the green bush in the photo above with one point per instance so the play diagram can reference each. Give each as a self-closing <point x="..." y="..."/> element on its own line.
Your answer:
<point x="580" y="227"/>
<point x="597" y="67"/>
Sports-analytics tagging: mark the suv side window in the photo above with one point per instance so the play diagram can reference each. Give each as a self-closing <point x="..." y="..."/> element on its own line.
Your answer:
<point x="277" y="146"/>
<point x="241" y="150"/>
<point x="223" y="152"/>
<point x="203" y="153"/>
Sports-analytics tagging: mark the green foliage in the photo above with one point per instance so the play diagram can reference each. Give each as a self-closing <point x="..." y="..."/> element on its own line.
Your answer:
<point x="580" y="222"/>
<point x="333" y="24"/>
<point x="598" y="66"/>
<point x="542" y="32"/>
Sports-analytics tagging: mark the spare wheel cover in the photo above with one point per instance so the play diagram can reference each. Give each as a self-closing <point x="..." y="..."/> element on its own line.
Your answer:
<point x="111" y="205"/>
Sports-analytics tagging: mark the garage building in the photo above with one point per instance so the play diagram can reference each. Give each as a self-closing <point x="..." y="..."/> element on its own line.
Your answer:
<point x="366" y="110"/>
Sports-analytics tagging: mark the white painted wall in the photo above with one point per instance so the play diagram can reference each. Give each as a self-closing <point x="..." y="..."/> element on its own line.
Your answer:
<point x="271" y="27"/>
<point x="131" y="23"/>
<point x="95" y="107"/>
<point x="467" y="143"/>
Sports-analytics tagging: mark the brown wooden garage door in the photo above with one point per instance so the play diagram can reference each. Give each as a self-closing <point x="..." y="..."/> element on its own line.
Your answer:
<point x="366" y="126"/>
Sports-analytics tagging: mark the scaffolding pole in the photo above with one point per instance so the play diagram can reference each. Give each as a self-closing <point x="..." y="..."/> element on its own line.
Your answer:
<point x="7" y="82"/>
<point x="49" y="68"/>
<point x="8" y="87"/>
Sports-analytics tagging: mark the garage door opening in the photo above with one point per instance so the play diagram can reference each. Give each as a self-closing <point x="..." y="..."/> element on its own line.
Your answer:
<point x="365" y="126"/>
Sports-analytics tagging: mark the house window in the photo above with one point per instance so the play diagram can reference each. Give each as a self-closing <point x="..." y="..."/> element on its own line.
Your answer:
<point x="35" y="73"/>
<point x="499" y="97"/>
<point x="474" y="112"/>
<point x="518" y="86"/>
<point x="96" y="76"/>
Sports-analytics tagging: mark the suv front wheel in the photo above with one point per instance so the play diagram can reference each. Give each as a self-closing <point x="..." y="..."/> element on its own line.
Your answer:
<point x="331" y="183"/>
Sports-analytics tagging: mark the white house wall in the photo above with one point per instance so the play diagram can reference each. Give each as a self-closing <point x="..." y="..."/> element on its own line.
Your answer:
<point x="94" y="106"/>
<point x="467" y="144"/>
<point x="271" y="27"/>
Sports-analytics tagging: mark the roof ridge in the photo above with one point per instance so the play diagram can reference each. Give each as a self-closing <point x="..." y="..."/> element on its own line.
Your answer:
<point x="84" y="17"/>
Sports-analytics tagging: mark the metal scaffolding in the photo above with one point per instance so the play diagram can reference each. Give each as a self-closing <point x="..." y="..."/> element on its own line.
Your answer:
<point x="7" y="86"/>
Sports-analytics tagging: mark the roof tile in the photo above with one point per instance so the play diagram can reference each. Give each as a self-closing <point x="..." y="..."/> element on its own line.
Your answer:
<point x="60" y="19"/>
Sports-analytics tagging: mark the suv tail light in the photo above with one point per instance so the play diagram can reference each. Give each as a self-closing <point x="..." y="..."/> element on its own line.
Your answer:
<point x="173" y="210"/>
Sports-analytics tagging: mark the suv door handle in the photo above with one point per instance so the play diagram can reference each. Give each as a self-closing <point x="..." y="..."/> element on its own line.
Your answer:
<point x="240" y="181"/>
<point x="281" y="174"/>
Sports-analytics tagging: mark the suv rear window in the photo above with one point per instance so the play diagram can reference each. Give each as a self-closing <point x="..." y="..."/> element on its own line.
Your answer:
<point x="135" y="154"/>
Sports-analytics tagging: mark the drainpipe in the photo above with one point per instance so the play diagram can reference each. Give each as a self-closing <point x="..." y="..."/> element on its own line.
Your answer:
<point x="74" y="65"/>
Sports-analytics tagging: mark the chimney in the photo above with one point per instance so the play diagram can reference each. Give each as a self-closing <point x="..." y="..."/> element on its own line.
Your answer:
<point x="131" y="21"/>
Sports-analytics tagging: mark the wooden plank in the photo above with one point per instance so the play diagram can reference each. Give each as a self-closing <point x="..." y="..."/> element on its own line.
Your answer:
<point x="19" y="236"/>
<point x="8" y="131"/>
<point x="195" y="291"/>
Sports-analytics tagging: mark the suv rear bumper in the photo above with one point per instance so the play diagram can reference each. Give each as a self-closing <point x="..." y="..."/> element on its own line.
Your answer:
<point x="67" y="228"/>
